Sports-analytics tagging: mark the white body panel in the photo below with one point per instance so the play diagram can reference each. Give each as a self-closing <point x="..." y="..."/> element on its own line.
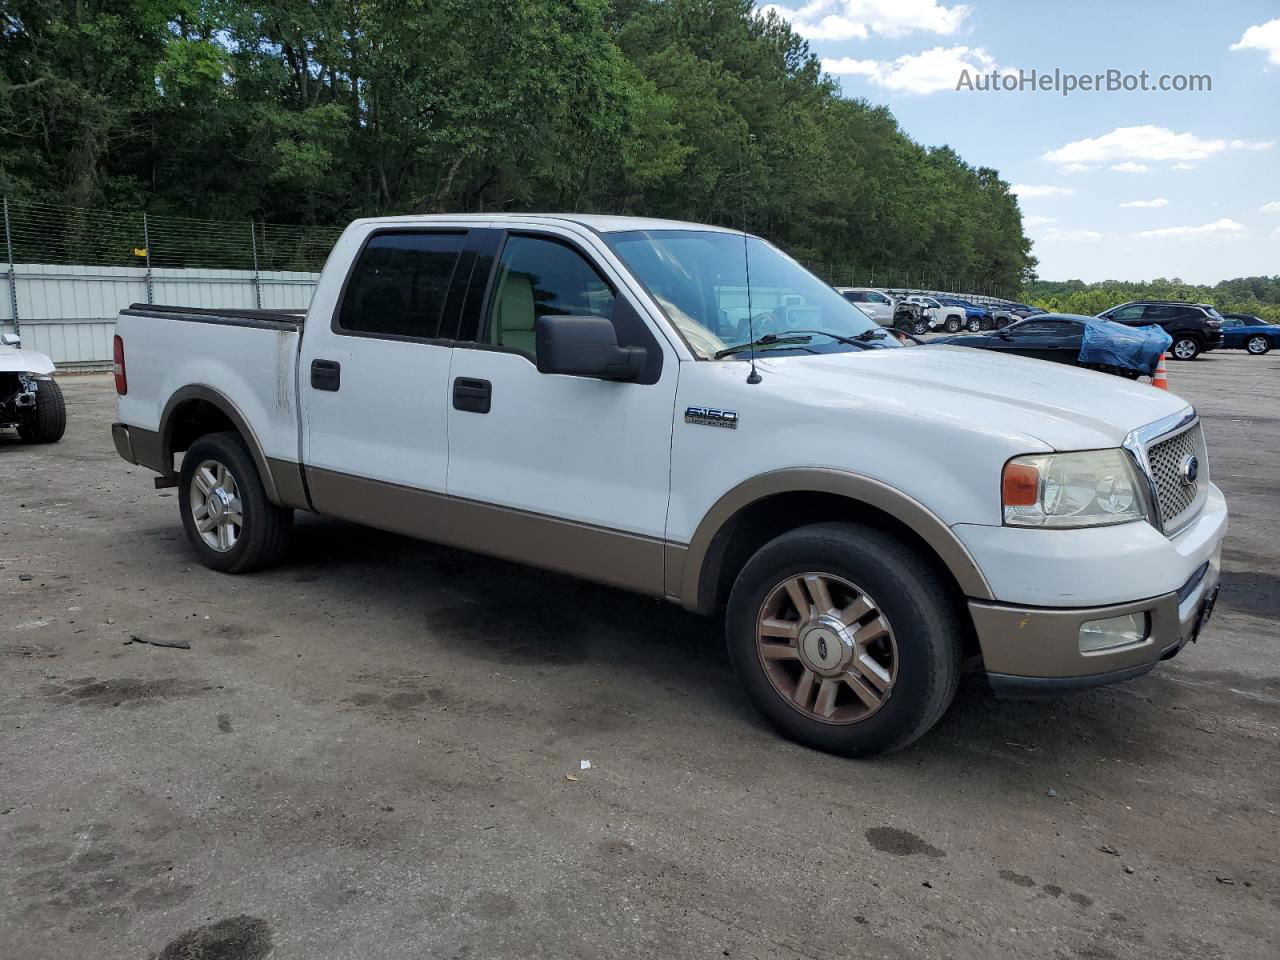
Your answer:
<point x="254" y="369"/>
<point x="574" y="448"/>
<point x="17" y="360"/>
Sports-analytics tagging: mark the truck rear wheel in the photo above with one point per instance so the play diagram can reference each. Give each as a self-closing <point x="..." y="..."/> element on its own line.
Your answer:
<point x="231" y="524"/>
<point x="843" y="640"/>
<point x="48" y="421"/>
<point x="953" y="324"/>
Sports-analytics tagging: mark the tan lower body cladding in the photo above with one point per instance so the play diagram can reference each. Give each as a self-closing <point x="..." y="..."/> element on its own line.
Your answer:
<point x="593" y="553"/>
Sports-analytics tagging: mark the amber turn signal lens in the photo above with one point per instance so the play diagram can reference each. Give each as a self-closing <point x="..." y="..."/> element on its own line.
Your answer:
<point x="1021" y="485"/>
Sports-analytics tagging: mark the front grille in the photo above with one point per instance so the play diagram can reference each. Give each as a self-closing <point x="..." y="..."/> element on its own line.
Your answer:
<point x="1178" y="501"/>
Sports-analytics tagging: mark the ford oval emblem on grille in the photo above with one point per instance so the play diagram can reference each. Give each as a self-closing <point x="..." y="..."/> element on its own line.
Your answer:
<point x="1189" y="469"/>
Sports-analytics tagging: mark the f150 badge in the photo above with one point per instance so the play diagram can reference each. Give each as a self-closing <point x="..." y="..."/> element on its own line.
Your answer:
<point x="711" y="417"/>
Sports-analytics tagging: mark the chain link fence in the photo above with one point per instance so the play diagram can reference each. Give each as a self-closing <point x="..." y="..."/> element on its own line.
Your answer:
<point x="37" y="232"/>
<point x="919" y="281"/>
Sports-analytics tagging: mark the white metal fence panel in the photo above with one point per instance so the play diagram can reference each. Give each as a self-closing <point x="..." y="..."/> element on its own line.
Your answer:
<point x="68" y="311"/>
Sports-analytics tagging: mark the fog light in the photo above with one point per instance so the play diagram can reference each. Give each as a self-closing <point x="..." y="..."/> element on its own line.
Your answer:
<point x="1099" y="635"/>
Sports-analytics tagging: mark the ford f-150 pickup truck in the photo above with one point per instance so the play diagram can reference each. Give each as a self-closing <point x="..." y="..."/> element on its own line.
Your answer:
<point x="685" y="411"/>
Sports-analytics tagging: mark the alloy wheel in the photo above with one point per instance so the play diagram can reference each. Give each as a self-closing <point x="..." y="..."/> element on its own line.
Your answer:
<point x="215" y="506"/>
<point x="1258" y="345"/>
<point x="827" y="648"/>
<point x="1185" y="349"/>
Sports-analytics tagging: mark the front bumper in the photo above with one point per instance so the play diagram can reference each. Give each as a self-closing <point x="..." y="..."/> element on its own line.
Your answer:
<point x="1035" y="652"/>
<point x="1051" y="582"/>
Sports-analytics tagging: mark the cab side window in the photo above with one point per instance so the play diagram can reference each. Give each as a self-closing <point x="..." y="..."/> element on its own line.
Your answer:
<point x="538" y="277"/>
<point x="1127" y="314"/>
<point x="399" y="285"/>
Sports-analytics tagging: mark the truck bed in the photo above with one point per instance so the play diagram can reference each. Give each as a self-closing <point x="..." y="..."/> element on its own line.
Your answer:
<point x="249" y="357"/>
<point x="262" y="319"/>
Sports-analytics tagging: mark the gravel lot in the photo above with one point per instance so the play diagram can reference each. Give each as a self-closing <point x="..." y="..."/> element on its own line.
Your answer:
<point x="367" y="753"/>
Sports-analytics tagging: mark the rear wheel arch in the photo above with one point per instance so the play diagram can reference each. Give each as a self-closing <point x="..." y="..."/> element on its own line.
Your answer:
<point x="196" y="411"/>
<point x="765" y="507"/>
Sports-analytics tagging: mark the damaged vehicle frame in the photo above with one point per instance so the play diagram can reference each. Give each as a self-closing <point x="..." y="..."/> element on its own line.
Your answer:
<point x="30" y="399"/>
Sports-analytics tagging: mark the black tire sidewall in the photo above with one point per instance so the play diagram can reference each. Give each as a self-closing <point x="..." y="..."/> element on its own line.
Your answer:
<point x="909" y="599"/>
<point x="48" y="421"/>
<point x="230" y="451"/>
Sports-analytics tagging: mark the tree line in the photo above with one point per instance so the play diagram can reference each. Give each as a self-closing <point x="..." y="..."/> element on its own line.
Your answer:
<point x="1259" y="296"/>
<point x="318" y="111"/>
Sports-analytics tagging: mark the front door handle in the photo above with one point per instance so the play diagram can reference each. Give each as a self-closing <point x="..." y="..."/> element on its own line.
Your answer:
<point x="326" y="375"/>
<point x="474" y="396"/>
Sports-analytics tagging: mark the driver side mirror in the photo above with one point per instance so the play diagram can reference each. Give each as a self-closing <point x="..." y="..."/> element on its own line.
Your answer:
<point x="1004" y="335"/>
<point x="10" y="340"/>
<point x="585" y="347"/>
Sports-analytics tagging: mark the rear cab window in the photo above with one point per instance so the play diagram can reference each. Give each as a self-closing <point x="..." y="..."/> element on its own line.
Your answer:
<point x="399" y="285"/>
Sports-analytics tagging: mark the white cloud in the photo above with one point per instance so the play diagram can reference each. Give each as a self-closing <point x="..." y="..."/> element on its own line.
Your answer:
<point x="1143" y="204"/>
<point x="1054" y="235"/>
<point x="1272" y="207"/>
<point x="850" y="19"/>
<point x="927" y="72"/>
<point x="1264" y="37"/>
<point x="1076" y="168"/>
<point x="1035" y="220"/>
<point x="1028" y="190"/>
<point x="1146" y="144"/>
<point x="1130" y="167"/>
<point x="1223" y="226"/>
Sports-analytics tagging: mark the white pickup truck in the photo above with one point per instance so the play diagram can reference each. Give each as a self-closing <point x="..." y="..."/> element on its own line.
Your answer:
<point x="684" y="411"/>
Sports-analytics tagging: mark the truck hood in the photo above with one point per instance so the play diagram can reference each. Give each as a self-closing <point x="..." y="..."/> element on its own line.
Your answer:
<point x="1064" y="407"/>
<point x="17" y="360"/>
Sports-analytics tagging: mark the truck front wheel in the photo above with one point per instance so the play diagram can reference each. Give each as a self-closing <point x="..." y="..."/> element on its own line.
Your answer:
<point x="843" y="639"/>
<point x="47" y="421"/>
<point x="231" y="524"/>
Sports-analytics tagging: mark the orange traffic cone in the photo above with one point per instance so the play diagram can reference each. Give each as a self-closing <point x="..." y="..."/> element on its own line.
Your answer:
<point x="1161" y="377"/>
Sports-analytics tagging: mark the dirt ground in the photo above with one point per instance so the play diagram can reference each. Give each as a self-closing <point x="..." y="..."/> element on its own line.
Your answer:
<point x="368" y="753"/>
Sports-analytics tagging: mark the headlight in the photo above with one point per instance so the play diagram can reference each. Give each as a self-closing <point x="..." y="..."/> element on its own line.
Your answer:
<point x="1088" y="489"/>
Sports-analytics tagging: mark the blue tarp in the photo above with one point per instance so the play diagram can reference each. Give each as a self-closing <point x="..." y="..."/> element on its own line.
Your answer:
<point x="1130" y="348"/>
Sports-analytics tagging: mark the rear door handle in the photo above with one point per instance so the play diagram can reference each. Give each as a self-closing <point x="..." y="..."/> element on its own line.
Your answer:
<point x="474" y="396"/>
<point x="326" y="375"/>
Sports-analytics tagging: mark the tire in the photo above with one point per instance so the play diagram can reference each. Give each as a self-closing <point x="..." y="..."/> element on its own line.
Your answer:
<point x="48" y="421"/>
<point x="920" y="328"/>
<point x="1185" y="348"/>
<point x="263" y="532"/>
<point x="1258" y="345"/>
<point x="916" y="645"/>
<point x="903" y="326"/>
<point x="973" y="325"/>
<point x="953" y="325"/>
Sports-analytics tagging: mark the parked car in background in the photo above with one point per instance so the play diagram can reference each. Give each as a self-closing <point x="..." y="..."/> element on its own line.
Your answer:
<point x="1023" y="310"/>
<point x="887" y="310"/>
<point x="30" y="399"/>
<point x="941" y="316"/>
<point x="976" y="318"/>
<point x="1001" y="316"/>
<point x="1195" y="327"/>
<point x="1244" y="331"/>
<point x="1060" y="337"/>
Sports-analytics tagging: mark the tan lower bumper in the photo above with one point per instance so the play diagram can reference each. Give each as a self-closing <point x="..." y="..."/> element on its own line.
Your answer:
<point x="1028" y="648"/>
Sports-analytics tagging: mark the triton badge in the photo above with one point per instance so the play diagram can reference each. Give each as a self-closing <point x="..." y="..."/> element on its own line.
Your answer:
<point x="711" y="417"/>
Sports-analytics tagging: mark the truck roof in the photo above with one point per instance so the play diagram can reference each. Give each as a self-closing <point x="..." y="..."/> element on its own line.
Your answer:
<point x="600" y="223"/>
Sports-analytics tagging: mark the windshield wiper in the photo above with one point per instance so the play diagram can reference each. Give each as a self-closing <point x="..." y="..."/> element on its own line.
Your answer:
<point x="768" y="340"/>
<point x="854" y="341"/>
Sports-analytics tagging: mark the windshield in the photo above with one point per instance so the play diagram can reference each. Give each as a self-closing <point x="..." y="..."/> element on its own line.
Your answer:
<point x="699" y="278"/>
